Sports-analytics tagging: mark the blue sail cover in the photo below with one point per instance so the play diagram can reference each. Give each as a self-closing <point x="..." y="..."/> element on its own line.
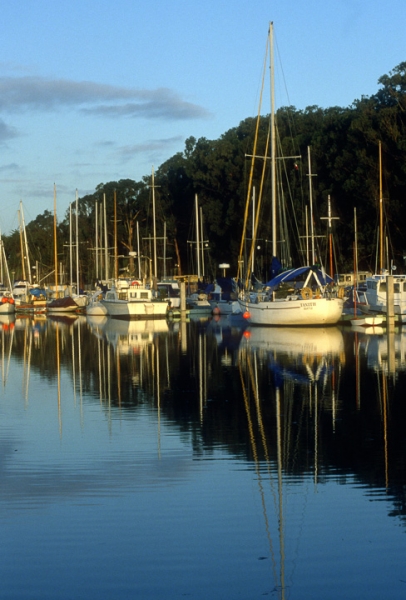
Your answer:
<point x="37" y="292"/>
<point x="293" y="274"/>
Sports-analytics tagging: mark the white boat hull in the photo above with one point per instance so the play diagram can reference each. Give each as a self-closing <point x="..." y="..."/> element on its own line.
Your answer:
<point x="367" y="321"/>
<point x="315" y="311"/>
<point x="123" y="309"/>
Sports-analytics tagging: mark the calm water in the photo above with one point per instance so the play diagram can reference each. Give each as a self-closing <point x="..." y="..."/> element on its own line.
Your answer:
<point x="201" y="460"/>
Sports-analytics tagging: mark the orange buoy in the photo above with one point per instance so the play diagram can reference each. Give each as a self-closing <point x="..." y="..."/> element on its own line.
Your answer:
<point x="246" y="314"/>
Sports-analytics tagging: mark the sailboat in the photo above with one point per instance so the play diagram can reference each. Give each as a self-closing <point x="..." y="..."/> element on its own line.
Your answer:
<point x="310" y="297"/>
<point x="7" y="302"/>
<point x="365" y="320"/>
<point x="56" y="303"/>
<point x="132" y="299"/>
<point x="376" y="292"/>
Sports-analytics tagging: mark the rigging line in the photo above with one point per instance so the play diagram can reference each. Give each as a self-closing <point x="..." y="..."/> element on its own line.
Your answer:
<point x="251" y="175"/>
<point x="294" y="212"/>
<point x="259" y="416"/>
<point x="255" y="456"/>
<point x="258" y="210"/>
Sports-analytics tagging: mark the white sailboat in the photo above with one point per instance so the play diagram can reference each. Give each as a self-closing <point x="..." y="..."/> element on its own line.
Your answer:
<point x="131" y="299"/>
<point x="310" y="299"/>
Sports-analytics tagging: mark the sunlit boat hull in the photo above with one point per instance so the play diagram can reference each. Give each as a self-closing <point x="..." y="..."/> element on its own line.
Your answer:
<point x="121" y="309"/>
<point x="134" y="302"/>
<point x="316" y="311"/>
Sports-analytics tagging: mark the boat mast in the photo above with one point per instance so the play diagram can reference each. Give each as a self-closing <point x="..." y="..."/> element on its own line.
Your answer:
<point x="21" y="246"/>
<point x="96" y="227"/>
<point x="106" y="250"/>
<point x="329" y="218"/>
<point x="27" y="256"/>
<point x="273" y="141"/>
<point x="77" y="244"/>
<point x="155" y="274"/>
<point x="380" y="211"/>
<point x="197" y="236"/>
<point x="115" y="238"/>
<point x="311" y="204"/>
<point x="70" y="248"/>
<point x="55" y="248"/>
<point x="202" y="240"/>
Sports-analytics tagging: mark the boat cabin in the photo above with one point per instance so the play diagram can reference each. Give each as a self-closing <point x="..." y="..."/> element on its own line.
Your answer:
<point x="348" y="279"/>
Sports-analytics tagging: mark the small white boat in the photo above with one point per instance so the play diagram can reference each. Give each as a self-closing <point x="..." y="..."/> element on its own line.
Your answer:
<point x="95" y="307"/>
<point x="367" y="321"/>
<point x="133" y="301"/>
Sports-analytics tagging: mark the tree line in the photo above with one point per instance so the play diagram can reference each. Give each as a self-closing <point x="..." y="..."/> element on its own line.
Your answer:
<point x="343" y="145"/>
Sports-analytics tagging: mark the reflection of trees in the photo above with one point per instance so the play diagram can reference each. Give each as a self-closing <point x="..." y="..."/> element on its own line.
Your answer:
<point x="326" y="425"/>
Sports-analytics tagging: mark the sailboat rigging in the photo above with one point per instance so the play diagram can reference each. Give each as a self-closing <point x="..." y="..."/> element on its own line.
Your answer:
<point x="385" y="290"/>
<point x="302" y="296"/>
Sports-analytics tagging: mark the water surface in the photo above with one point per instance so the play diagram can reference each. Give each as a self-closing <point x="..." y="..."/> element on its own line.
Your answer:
<point x="203" y="459"/>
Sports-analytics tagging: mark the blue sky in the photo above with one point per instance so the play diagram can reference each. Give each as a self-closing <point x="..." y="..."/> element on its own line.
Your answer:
<point x="92" y="92"/>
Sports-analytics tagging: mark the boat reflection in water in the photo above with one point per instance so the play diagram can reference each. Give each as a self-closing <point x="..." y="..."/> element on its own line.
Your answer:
<point x="385" y="351"/>
<point x="304" y="364"/>
<point x="127" y="336"/>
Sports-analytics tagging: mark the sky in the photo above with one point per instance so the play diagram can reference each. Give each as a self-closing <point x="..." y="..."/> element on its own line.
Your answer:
<point x="97" y="91"/>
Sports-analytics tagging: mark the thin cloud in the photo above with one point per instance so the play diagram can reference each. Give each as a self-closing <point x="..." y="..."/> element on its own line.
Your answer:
<point x="148" y="146"/>
<point x="6" y="132"/>
<point x="9" y="167"/>
<point x="40" y="93"/>
<point x="151" y="150"/>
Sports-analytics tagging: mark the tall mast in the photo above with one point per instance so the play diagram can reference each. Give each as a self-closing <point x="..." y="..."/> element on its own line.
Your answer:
<point x="202" y="240"/>
<point x="197" y="236"/>
<point x="70" y="246"/>
<point x="21" y="246"/>
<point x="77" y="245"/>
<point x="96" y="228"/>
<point x="380" y="211"/>
<point x="106" y="249"/>
<point x="329" y="218"/>
<point x="55" y="248"/>
<point x="27" y="256"/>
<point x="154" y="224"/>
<point x="115" y="237"/>
<point x="311" y="204"/>
<point x="273" y="141"/>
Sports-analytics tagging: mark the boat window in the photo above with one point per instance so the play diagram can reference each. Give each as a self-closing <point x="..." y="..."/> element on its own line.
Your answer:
<point x="396" y="288"/>
<point x="372" y="285"/>
<point x="144" y="295"/>
<point x="348" y="278"/>
<point x="382" y="286"/>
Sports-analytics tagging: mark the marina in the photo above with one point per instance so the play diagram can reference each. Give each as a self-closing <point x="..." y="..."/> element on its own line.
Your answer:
<point x="200" y="457"/>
